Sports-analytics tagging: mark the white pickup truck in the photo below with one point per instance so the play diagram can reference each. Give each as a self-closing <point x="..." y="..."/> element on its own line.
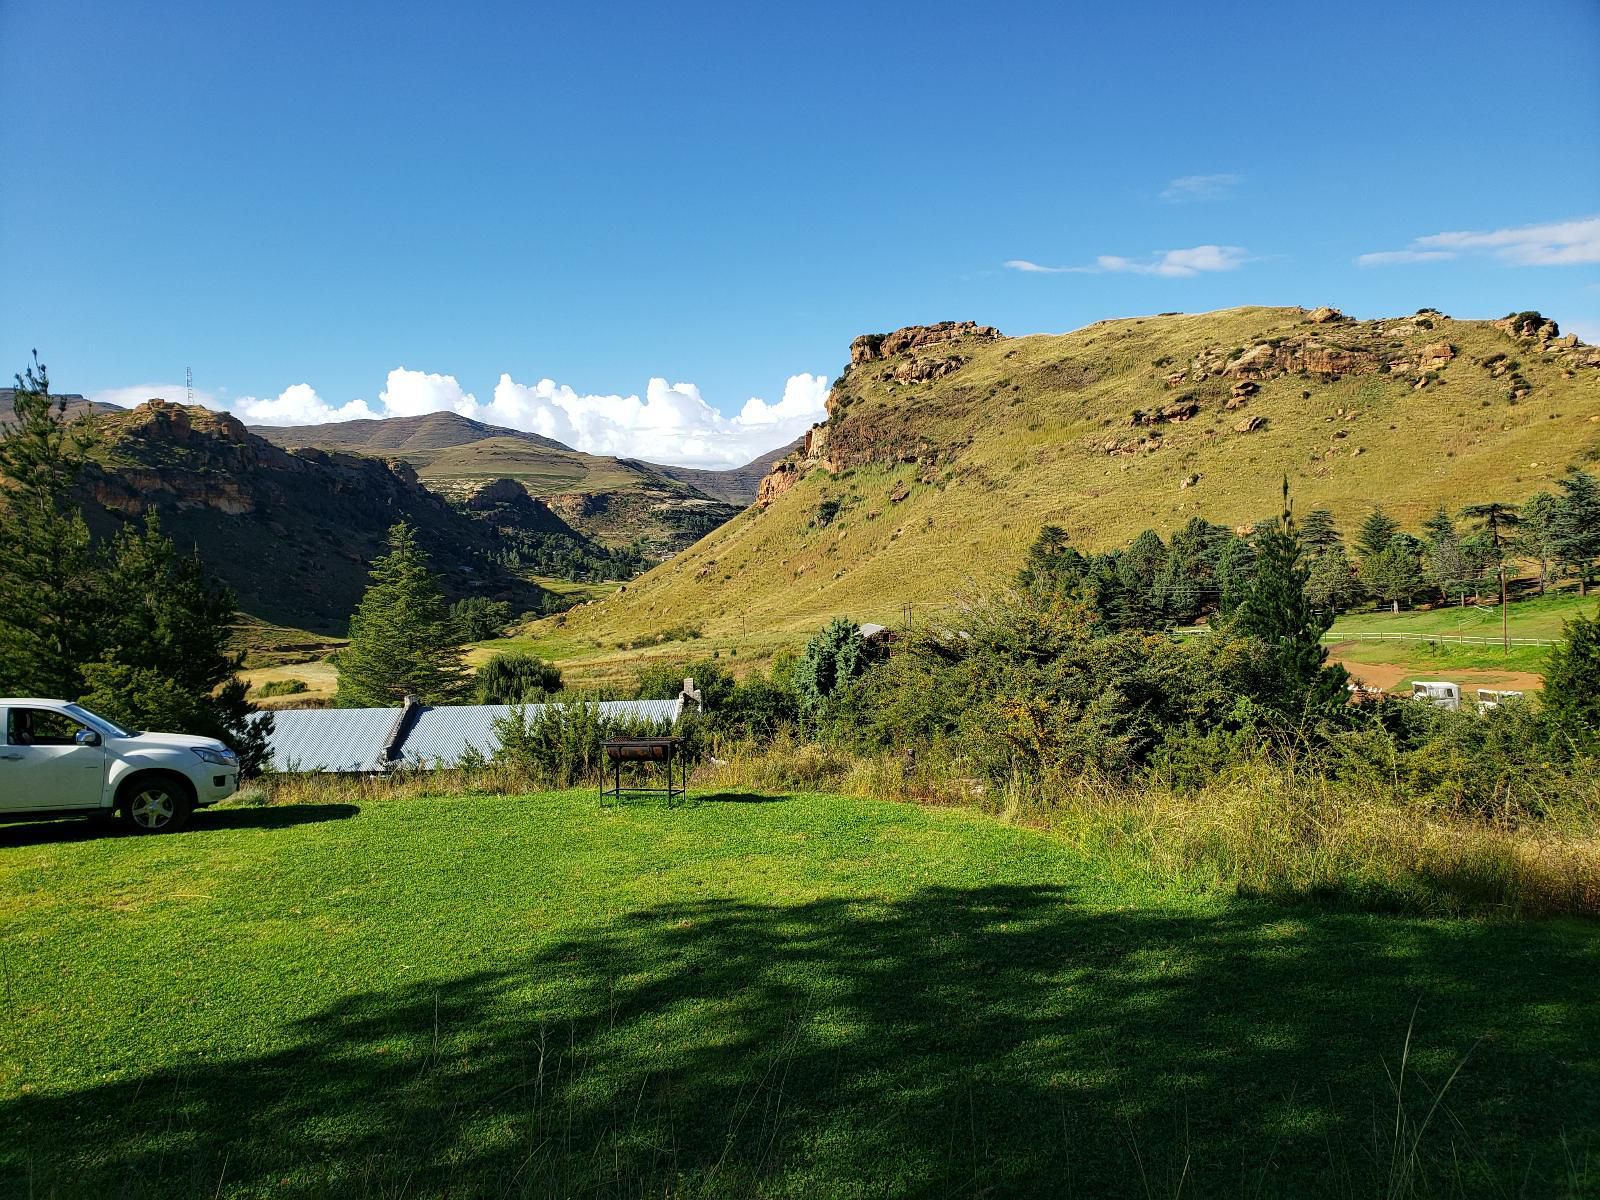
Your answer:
<point x="61" y="760"/>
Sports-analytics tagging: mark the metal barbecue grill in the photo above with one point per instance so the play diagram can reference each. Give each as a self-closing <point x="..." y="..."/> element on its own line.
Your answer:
<point x="667" y="752"/>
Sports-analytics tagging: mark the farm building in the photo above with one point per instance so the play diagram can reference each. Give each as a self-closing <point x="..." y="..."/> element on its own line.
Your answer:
<point x="371" y="740"/>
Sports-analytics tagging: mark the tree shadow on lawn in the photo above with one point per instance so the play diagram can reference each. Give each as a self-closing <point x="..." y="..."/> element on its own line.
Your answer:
<point x="739" y="798"/>
<point x="991" y="1041"/>
<point x="83" y="829"/>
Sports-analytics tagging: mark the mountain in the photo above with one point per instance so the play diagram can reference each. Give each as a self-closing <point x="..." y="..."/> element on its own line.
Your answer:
<point x="737" y="486"/>
<point x="291" y="532"/>
<point x="947" y="447"/>
<point x="74" y="404"/>
<point x="619" y="502"/>
<point x="417" y="439"/>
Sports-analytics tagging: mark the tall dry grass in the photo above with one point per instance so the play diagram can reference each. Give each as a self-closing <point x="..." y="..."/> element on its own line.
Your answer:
<point x="1261" y="830"/>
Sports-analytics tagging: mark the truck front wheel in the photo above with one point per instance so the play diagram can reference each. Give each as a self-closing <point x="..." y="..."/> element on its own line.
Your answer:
<point x="156" y="803"/>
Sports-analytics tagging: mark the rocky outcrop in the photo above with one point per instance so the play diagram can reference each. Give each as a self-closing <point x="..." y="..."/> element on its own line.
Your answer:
<point x="1266" y="360"/>
<point x="873" y="347"/>
<point x="1437" y="355"/>
<point x="780" y="479"/>
<point x="1325" y="316"/>
<point x="925" y="370"/>
<point x="496" y="493"/>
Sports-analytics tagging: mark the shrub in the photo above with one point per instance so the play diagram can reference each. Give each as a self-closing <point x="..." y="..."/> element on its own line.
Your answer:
<point x="516" y="679"/>
<point x="559" y="744"/>
<point x="478" y="619"/>
<point x="282" y="687"/>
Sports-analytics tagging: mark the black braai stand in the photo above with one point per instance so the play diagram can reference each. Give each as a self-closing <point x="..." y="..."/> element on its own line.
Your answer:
<point x="668" y="751"/>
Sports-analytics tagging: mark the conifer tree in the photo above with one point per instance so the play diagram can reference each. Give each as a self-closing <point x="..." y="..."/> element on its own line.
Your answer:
<point x="47" y="560"/>
<point x="163" y="660"/>
<point x="1577" y="525"/>
<point x="402" y="640"/>
<point x="1277" y="611"/>
<point x="1571" y="694"/>
<point x="1318" y="533"/>
<point x="1377" y="531"/>
<point x="1536" y="534"/>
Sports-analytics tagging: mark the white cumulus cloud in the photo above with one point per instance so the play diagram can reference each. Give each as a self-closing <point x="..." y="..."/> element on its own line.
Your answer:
<point x="1170" y="263"/>
<point x="1556" y="244"/>
<point x="298" y="404"/>
<point x="672" y="423"/>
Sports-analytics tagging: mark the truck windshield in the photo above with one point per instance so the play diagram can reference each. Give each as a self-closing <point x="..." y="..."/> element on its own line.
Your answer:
<point x="78" y="712"/>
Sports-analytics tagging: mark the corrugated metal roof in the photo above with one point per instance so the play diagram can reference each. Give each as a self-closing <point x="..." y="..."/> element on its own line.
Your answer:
<point x="355" y="739"/>
<point x="330" y="739"/>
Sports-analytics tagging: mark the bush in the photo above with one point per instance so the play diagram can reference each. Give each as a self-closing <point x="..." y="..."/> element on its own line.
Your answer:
<point x="516" y="679"/>
<point x="478" y="619"/>
<point x="559" y="744"/>
<point x="282" y="687"/>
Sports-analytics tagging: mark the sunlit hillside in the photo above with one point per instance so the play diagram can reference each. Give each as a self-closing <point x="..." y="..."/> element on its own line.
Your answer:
<point x="941" y="461"/>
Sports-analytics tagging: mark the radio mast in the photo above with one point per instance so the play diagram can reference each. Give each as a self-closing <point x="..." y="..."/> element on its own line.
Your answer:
<point x="188" y="385"/>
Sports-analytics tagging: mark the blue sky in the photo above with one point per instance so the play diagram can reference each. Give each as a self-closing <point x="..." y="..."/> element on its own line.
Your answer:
<point x="314" y="204"/>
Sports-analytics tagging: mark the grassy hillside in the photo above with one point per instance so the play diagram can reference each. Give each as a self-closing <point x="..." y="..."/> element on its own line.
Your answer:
<point x="754" y="996"/>
<point x="939" y="464"/>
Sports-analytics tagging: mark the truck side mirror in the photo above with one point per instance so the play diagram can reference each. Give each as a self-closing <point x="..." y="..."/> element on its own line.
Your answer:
<point x="87" y="737"/>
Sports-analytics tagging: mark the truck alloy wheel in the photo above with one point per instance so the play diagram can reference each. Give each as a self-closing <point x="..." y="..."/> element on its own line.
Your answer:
<point x="156" y="807"/>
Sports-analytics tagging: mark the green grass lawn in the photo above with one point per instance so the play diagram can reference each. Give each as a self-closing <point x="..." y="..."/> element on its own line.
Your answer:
<point x="1536" y="617"/>
<point x="797" y="997"/>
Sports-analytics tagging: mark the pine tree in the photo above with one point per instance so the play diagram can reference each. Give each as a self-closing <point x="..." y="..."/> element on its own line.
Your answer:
<point x="1571" y="694"/>
<point x="1277" y="611"/>
<point x="1376" y="533"/>
<point x="1498" y="521"/>
<point x="1236" y="566"/>
<point x="1444" y="563"/>
<point x="163" y="661"/>
<point x="402" y="641"/>
<point x="1577" y="525"/>
<point x="48" y="618"/>
<point x="1395" y="574"/>
<point x="1318" y="533"/>
<point x="1536" y="535"/>
<point x="833" y="657"/>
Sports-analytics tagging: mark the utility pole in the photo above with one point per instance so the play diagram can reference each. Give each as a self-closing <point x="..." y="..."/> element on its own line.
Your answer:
<point x="1505" y="621"/>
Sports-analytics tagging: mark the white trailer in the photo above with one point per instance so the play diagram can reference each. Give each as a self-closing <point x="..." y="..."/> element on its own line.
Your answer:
<point x="1440" y="693"/>
<point x="1489" y="698"/>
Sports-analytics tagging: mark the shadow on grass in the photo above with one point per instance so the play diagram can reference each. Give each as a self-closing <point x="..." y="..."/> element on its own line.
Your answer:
<point x="986" y="1041"/>
<point x="736" y="798"/>
<point x="83" y="829"/>
<point x="270" y="816"/>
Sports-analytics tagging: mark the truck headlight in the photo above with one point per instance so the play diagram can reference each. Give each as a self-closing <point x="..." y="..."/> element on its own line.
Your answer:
<point x="217" y="758"/>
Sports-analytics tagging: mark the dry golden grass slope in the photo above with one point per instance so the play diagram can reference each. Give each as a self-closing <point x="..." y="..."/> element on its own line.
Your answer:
<point x="922" y="487"/>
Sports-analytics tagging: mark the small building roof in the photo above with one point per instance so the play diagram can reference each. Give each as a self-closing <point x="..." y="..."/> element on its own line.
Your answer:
<point x="330" y="739"/>
<point x="363" y="740"/>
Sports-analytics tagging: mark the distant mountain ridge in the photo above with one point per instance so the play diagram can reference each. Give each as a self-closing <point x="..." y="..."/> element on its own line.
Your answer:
<point x="420" y="437"/>
<point x="440" y="446"/>
<point x="623" y="503"/>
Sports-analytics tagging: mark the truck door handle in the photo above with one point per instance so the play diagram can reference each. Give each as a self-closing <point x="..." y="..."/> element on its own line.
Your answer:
<point x="11" y="757"/>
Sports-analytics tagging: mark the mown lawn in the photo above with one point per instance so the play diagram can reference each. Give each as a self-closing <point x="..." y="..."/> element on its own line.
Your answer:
<point x="1535" y="617"/>
<point x="798" y="997"/>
